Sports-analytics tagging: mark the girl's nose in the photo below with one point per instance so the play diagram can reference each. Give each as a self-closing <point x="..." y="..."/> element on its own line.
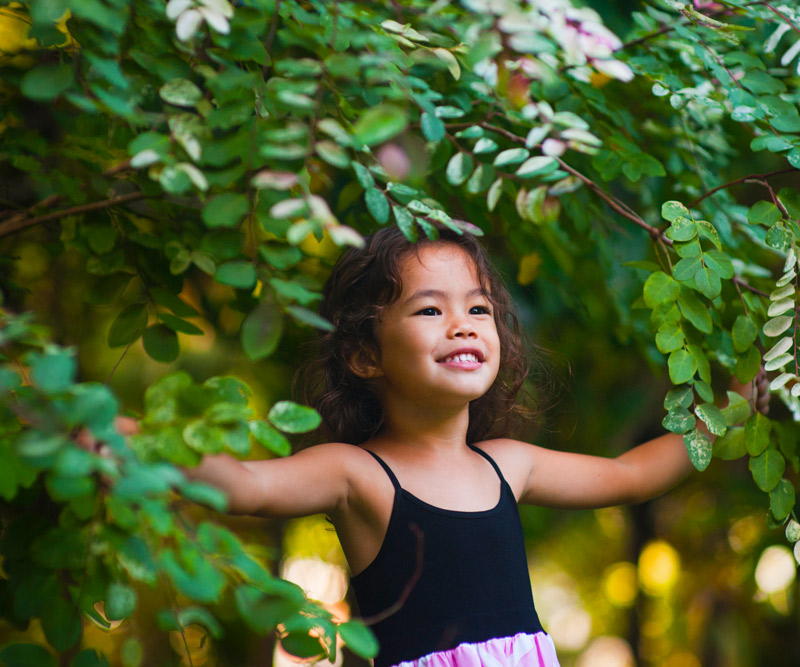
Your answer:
<point x="463" y="330"/>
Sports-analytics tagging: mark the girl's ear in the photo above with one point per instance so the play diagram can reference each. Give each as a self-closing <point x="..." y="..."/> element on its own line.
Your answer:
<point x="364" y="365"/>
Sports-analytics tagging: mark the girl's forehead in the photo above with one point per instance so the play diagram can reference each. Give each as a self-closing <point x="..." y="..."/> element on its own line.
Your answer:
<point x="438" y="265"/>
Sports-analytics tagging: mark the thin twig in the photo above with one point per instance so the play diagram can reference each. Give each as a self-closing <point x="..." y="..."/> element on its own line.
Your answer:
<point x="19" y="223"/>
<point x="754" y="177"/>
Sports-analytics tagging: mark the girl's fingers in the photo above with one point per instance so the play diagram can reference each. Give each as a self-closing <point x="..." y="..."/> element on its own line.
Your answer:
<point x="126" y="425"/>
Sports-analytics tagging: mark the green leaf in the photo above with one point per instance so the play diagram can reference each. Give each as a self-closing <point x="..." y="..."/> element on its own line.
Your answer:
<point x="432" y="127"/>
<point x="713" y="418"/>
<point x="128" y="325"/>
<point x="493" y="195"/>
<point x="686" y="268"/>
<point x="767" y="469"/>
<point x="660" y="288"/>
<point x="744" y="333"/>
<point x="702" y="389"/>
<point x="379" y="124"/>
<point x="200" y="616"/>
<point x="302" y="645"/>
<point x="682" y="229"/>
<point x="261" y="331"/>
<point x="53" y="371"/>
<point x="781" y="499"/>
<point x="172" y="302"/>
<point x="26" y="655"/>
<point x="309" y="317"/>
<point x="61" y="623"/>
<point x="511" y="156"/>
<point x="695" y="311"/>
<point x="377" y="205"/>
<point x="682" y="366"/>
<point x="678" y="397"/>
<point x="45" y="82"/>
<point x="730" y="446"/>
<point x="672" y="210"/>
<point x="679" y="420"/>
<point x="270" y="438"/>
<point x="161" y="343"/>
<point x="180" y="92"/>
<point x="708" y="282"/>
<point x="293" y="418"/>
<point x="359" y="639"/>
<point x="737" y="410"/>
<point x="225" y="210"/>
<point x="763" y="213"/>
<point x="537" y="166"/>
<point x="237" y="274"/>
<point x="89" y="658"/>
<point x="459" y="168"/>
<point x="120" y="601"/>
<point x="205" y="494"/>
<point x="669" y="337"/>
<point x="720" y="263"/>
<point x="405" y="222"/>
<point x="204" y="437"/>
<point x="699" y="448"/>
<point x="180" y="325"/>
<point x="756" y="432"/>
<point x="748" y="365"/>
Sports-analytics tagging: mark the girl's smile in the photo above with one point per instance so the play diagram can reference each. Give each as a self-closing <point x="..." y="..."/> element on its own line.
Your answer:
<point x="438" y="342"/>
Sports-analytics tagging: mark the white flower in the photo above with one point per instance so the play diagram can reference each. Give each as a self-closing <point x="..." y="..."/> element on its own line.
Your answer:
<point x="190" y="14"/>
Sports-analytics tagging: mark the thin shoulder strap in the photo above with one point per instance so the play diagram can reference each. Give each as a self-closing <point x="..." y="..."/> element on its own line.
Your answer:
<point x="386" y="468"/>
<point x="489" y="459"/>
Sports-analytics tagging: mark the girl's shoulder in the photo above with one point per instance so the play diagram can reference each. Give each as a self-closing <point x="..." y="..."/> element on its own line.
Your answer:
<point x="514" y="458"/>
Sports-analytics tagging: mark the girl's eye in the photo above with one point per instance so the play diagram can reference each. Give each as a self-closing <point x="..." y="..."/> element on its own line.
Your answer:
<point x="480" y="310"/>
<point x="430" y="311"/>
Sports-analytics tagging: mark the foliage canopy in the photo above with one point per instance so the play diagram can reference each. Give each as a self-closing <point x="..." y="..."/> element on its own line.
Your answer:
<point x="154" y="151"/>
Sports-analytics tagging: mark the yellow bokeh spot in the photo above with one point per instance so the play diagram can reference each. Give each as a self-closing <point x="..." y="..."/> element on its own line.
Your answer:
<point x="312" y="537"/>
<point x="14" y="28"/>
<point x="598" y="79"/>
<point x="619" y="584"/>
<point x="324" y="248"/>
<point x="659" y="568"/>
<point x="683" y="659"/>
<point x="528" y="268"/>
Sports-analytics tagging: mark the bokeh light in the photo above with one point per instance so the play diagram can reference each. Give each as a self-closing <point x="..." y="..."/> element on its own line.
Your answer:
<point x="619" y="584"/>
<point x="607" y="652"/>
<point x="659" y="568"/>
<point x="776" y="569"/>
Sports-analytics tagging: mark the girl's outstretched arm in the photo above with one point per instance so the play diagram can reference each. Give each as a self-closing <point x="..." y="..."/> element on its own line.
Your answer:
<point x="312" y="481"/>
<point x="563" y="479"/>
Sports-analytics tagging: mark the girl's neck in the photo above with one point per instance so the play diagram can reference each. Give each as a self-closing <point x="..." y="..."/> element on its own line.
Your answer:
<point x="433" y="431"/>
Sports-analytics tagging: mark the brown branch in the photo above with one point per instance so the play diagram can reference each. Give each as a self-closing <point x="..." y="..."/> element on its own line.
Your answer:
<point x="618" y="206"/>
<point x="670" y="28"/>
<point x="52" y="200"/>
<point x="739" y="282"/>
<point x="756" y="177"/>
<point x="782" y="15"/>
<point x="17" y="224"/>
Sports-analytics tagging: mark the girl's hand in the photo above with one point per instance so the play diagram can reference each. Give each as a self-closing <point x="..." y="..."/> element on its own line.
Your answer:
<point x="125" y="426"/>
<point x="756" y="391"/>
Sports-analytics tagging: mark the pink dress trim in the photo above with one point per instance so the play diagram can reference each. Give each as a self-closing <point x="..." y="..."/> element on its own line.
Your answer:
<point x="522" y="650"/>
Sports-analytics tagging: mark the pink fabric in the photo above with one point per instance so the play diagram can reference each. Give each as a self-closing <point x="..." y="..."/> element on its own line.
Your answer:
<point x="521" y="650"/>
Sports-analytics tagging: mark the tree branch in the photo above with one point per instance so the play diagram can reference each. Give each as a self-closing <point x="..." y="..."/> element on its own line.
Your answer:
<point x="757" y="177"/>
<point x="19" y="223"/>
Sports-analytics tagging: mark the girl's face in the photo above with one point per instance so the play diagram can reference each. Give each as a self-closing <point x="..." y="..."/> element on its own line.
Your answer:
<point x="438" y="341"/>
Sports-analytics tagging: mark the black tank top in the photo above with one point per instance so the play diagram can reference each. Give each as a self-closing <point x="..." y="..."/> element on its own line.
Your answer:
<point x="443" y="577"/>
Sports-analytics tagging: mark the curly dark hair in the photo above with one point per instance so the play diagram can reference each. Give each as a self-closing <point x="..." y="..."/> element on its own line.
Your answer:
<point x="361" y="285"/>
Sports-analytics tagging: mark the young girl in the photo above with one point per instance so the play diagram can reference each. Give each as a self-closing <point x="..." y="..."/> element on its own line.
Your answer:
<point x="417" y="388"/>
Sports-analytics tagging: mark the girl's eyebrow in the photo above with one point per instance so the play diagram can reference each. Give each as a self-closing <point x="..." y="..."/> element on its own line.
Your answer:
<point x="428" y="293"/>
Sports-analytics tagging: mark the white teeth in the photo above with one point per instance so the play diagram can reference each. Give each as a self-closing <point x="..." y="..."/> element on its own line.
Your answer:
<point x="463" y="357"/>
